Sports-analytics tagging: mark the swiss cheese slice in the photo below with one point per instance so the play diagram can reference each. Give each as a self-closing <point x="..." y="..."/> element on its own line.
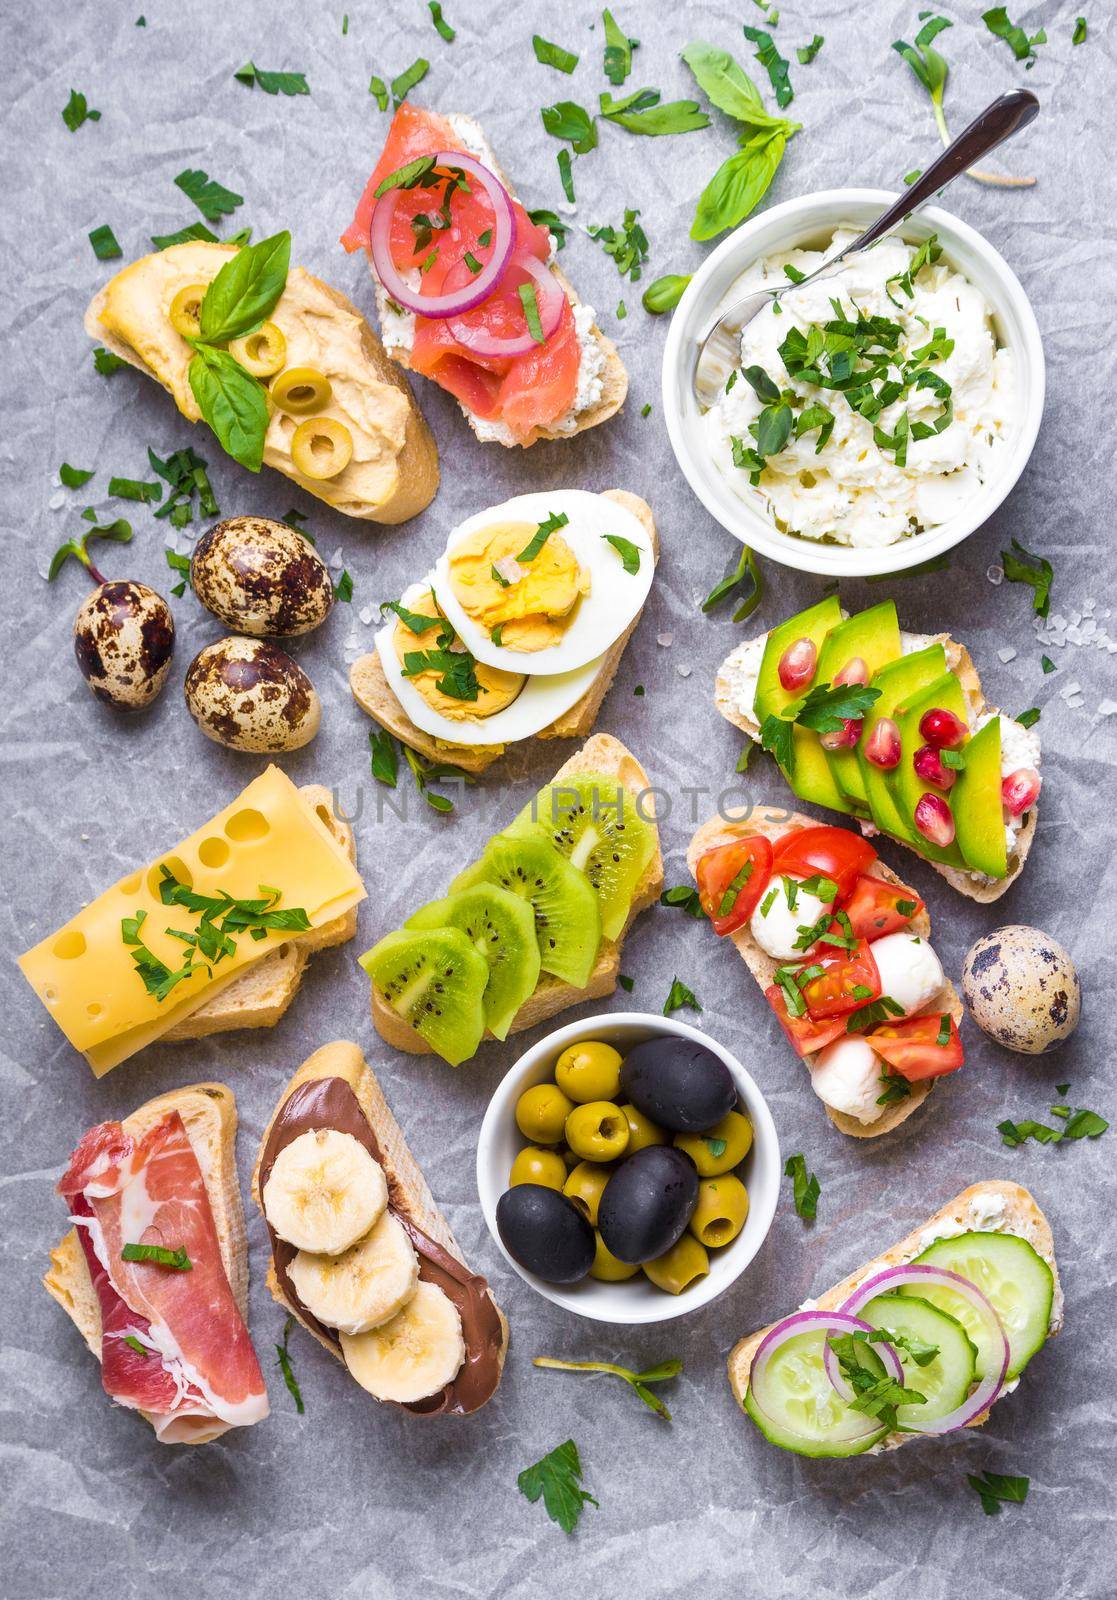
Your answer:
<point x="268" y="839"/>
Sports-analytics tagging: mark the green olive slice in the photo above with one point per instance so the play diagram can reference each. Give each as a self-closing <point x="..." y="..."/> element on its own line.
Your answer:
<point x="186" y="310"/>
<point x="301" y="390"/>
<point x="262" y="352"/>
<point x="321" y="447"/>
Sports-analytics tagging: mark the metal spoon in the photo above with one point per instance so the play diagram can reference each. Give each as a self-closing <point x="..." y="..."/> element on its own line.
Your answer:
<point x="719" y="350"/>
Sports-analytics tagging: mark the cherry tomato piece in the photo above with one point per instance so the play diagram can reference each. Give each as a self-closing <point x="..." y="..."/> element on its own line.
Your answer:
<point x="803" y="1035"/>
<point x="849" y="979"/>
<point x="732" y="879"/>
<point x="876" y="907"/>
<point x="830" y="852"/>
<point x="913" y="1048"/>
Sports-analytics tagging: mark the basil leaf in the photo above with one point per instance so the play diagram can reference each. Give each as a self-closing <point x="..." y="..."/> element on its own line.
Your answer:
<point x="553" y="55"/>
<point x="232" y="402"/>
<point x="773" y="63"/>
<point x="572" y="122"/>
<point x="773" y="429"/>
<point x="246" y="290"/>
<point x="642" y="114"/>
<point x="288" y="83"/>
<point x="727" y="85"/>
<point x="738" y="186"/>
<point x="628" y="552"/>
<point x="384" y="757"/>
<point x="746" y="568"/>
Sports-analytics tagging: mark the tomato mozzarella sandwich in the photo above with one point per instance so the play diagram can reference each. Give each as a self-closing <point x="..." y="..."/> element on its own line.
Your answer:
<point x="840" y="946"/>
<point x="467" y="290"/>
<point x="154" y="1272"/>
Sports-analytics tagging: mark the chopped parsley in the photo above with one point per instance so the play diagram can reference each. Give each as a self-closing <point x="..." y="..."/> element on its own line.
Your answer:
<point x="825" y="709"/>
<point x="1021" y="566"/>
<point x="105" y="246"/>
<point x="288" y="83"/>
<point x="627" y="245"/>
<point x="212" y="199"/>
<point x="343" y="588"/>
<point x="1022" y="47"/>
<point x="402" y="85"/>
<point x="553" y="55"/>
<point x="773" y="63"/>
<point x="457" y="669"/>
<point x="995" y="1489"/>
<point x="530" y="303"/>
<point x="558" y="1479"/>
<point x="628" y="552"/>
<point x="384" y="757"/>
<point x="185" y="473"/>
<point x="807" y="52"/>
<point x="678" y="996"/>
<point x="556" y="520"/>
<point x="683" y="898"/>
<point x="874" y="1396"/>
<point x="548" y="219"/>
<point x="571" y="122"/>
<point x="427" y="772"/>
<point x="618" y="51"/>
<point x="805" y="1186"/>
<point x="877" y="1011"/>
<point x="106" y="363"/>
<point x="745" y="580"/>
<point x="78" y="110"/>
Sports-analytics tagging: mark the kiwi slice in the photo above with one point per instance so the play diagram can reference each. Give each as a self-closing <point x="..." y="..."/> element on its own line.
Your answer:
<point x="499" y="925"/>
<point x="567" y="918"/>
<point x="596" y="825"/>
<point x="435" y="980"/>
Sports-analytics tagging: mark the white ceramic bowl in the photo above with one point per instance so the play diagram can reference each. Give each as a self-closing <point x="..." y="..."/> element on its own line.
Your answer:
<point x="811" y="221"/>
<point x="636" y="1300"/>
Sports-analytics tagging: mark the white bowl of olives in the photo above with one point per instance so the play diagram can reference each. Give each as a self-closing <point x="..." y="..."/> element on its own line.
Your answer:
<point x="628" y="1168"/>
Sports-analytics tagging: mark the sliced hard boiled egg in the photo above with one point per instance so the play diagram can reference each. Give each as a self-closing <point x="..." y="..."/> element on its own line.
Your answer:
<point x="545" y="605"/>
<point x="508" y="706"/>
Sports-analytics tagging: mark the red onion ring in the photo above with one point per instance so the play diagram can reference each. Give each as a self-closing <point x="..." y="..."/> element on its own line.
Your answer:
<point x="936" y="1277"/>
<point x="480" y="286"/>
<point x="799" y="1322"/>
<point x="549" y="298"/>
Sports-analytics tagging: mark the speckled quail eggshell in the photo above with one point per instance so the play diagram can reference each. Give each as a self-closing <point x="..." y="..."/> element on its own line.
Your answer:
<point x="261" y="577"/>
<point x="1021" y="989"/>
<point x="124" y="638"/>
<point x="250" y="695"/>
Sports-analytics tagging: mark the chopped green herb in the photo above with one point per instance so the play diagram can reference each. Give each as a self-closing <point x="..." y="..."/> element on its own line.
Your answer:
<point x="384" y="757"/>
<point x="442" y="27"/>
<point x="910" y="177"/>
<point x="882" y="1010"/>
<point x="1079" y="35"/>
<point x="1076" y="1125"/>
<point x="103" y="240"/>
<point x="628" y="552"/>
<point x="716" y="1147"/>
<point x="286" y="1368"/>
<point x="627" y="245"/>
<point x="573" y="123"/>
<point x="639" y="689"/>
<point x="618" y="51"/>
<point x="106" y="363"/>
<point x="805" y="1186"/>
<point x="178" y="563"/>
<point x="1022" y="47"/>
<point x="678" y="996"/>
<point x="553" y="55"/>
<point x="626" y="983"/>
<point x="825" y="709"/>
<point x="288" y="83"/>
<point x="729" y="898"/>
<point x="646" y="409"/>
<point x="1021" y="566"/>
<point x="566" y="176"/>
<point x="530" y="303"/>
<point x="552" y="524"/>
<point x="343" y="588"/>
<point x="807" y="52"/>
<point x="134" y="489"/>
<point x="622" y="311"/>
<point x="637" y="1381"/>
<point x="134" y="1344"/>
<point x="185" y="472"/>
<point x="402" y="85"/>
<point x="683" y="898"/>
<point x="379" y="91"/>
<point x="193" y="231"/>
<point x="995" y="1489"/>
<point x="546" y="219"/>
<point x="158" y="1255"/>
<point x="427" y="772"/>
<point x="558" y="1478"/>
<point x="417" y="621"/>
<point x="875" y="1396"/>
<point x="212" y="199"/>
<point x="894" y="1088"/>
<point x="745" y="572"/>
<point x="1047" y="664"/>
<point x="73" y="477"/>
<point x="472" y="262"/>
<point x="642" y="112"/>
<point x="77" y="110"/>
<point x="773" y="63"/>
<point x="955" y="759"/>
<point x="457" y="669"/>
<point x="665" y="293"/>
<point x="743" y="758"/>
<point x="1029" y="718"/>
<point x="119" y="531"/>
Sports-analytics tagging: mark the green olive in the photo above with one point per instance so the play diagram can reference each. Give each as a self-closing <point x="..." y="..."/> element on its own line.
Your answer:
<point x="719" y="1216"/>
<point x="606" y="1268"/>
<point x="186" y="308"/>
<point x="541" y="1113"/>
<point x="321" y="447"/>
<point x="597" y="1131"/>
<point x="589" y="1071"/>
<point x="585" y="1185"/>
<point x="262" y="352"/>
<point x="642" y="1131"/>
<point x="721" y="1147"/>
<point x="534" y="1165"/>
<point x="301" y="390"/>
<point x="679" y="1267"/>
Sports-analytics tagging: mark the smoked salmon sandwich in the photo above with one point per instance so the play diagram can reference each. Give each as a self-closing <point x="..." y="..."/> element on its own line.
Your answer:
<point x="468" y="291"/>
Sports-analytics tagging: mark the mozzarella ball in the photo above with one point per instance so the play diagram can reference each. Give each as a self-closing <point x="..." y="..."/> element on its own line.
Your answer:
<point x="777" y="929"/>
<point x="846" y="1076"/>
<point x="910" y="971"/>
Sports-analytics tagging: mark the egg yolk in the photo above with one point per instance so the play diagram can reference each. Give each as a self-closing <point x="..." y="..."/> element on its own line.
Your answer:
<point x="497" y="688"/>
<point x="532" y="602"/>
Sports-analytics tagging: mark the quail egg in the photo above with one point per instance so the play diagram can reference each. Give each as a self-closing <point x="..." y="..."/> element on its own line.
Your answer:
<point x="1021" y="989"/>
<point x="250" y="695"/>
<point x="261" y="577"/>
<point x="124" y="638"/>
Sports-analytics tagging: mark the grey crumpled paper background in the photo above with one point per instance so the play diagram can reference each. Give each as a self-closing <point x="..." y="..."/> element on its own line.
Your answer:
<point x="353" y="1500"/>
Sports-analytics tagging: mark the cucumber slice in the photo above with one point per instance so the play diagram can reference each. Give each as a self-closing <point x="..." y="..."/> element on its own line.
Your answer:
<point x="946" y="1380"/>
<point x="808" y="1416"/>
<point x="1008" y="1272"/>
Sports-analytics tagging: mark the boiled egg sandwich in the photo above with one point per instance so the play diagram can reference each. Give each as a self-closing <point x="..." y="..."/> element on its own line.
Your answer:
<point x="518" y="629"/>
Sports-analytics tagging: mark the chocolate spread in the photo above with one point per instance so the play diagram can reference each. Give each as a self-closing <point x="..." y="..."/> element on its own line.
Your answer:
<point x="331" y="1103"/>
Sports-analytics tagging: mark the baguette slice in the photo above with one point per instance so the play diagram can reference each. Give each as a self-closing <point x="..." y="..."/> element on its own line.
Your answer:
<point x="416" y="475"/>
<point x="959" y="662"/>
<point x="1022" y="1216"/>
<point x="209" y="1113"/>
<point x="260" y="996"/>
<point x="408" y="1192"/>
<point x="373" y="693"/>
<point x="772" y="821"/>
<point x="614" y="377"/>
<point x="604" y="757"/>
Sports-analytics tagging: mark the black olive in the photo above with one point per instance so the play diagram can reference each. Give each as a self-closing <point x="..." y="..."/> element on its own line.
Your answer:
<point x="678" y="1083"/>
<point x="545" y="1232"/>
<point x="647" y="1203"/>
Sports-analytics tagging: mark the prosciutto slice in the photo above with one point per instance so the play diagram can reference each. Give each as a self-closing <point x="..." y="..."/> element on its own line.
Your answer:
<point x="197" y="1374"/>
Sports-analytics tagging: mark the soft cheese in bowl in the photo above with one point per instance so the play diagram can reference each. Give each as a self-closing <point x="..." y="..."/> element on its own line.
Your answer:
<point x="875" y="417"/>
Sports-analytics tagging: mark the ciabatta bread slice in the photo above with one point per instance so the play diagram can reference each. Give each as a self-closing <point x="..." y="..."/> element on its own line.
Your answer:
<point x="727" y="700"/>
<point x="260" y="996"/>
<point x="773" y="822"/>
<point x="209" y="1113"/>
<point x="408" y="1191"/>
<point x="603" y="757"/>
<point x="613" y="377"/>
<point x="1021" y="1216"/>
<point x="373" y="693"/>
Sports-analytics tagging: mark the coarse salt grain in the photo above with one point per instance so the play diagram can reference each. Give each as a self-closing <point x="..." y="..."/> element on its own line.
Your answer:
<point x="1007" y="654"/>
<point x="995" y="574"/>
<point x="665" y="639"/>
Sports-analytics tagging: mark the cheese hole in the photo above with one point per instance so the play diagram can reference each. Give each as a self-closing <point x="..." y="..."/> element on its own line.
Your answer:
<point x="173" y="864"/>
<point x="94" y="1008"/>
<point x="68" y="946"/>
<point x="213" y="852"/>
<point x="244" y="826"/>
<point x="131" y="885"/>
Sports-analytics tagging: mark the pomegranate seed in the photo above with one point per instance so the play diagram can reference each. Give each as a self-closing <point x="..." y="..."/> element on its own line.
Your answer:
<point x="883" y="748"/>
<point x="942" y="728"/>
<point x="1020" y="791"/>
<point x="842" y="738"/>
<point x="929" y="765"/>
<point x="797" y="664"/>
<point x="854" y="671"/>
<point x="935" y="820"/>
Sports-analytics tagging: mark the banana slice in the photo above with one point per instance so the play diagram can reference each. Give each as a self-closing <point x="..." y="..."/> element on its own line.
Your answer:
<point x="415" y="1354"/>
<point x="364" y="1286"/>
<point x="324" y="1192"/>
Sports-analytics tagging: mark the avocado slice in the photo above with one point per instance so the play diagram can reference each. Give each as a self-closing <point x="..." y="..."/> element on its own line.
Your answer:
<point x="874" y="635"/>
<point x="897" y="683"/>
<point x="810" y="776"/>
<point x="904" y="784"/>
<point x="976" y="798"/>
